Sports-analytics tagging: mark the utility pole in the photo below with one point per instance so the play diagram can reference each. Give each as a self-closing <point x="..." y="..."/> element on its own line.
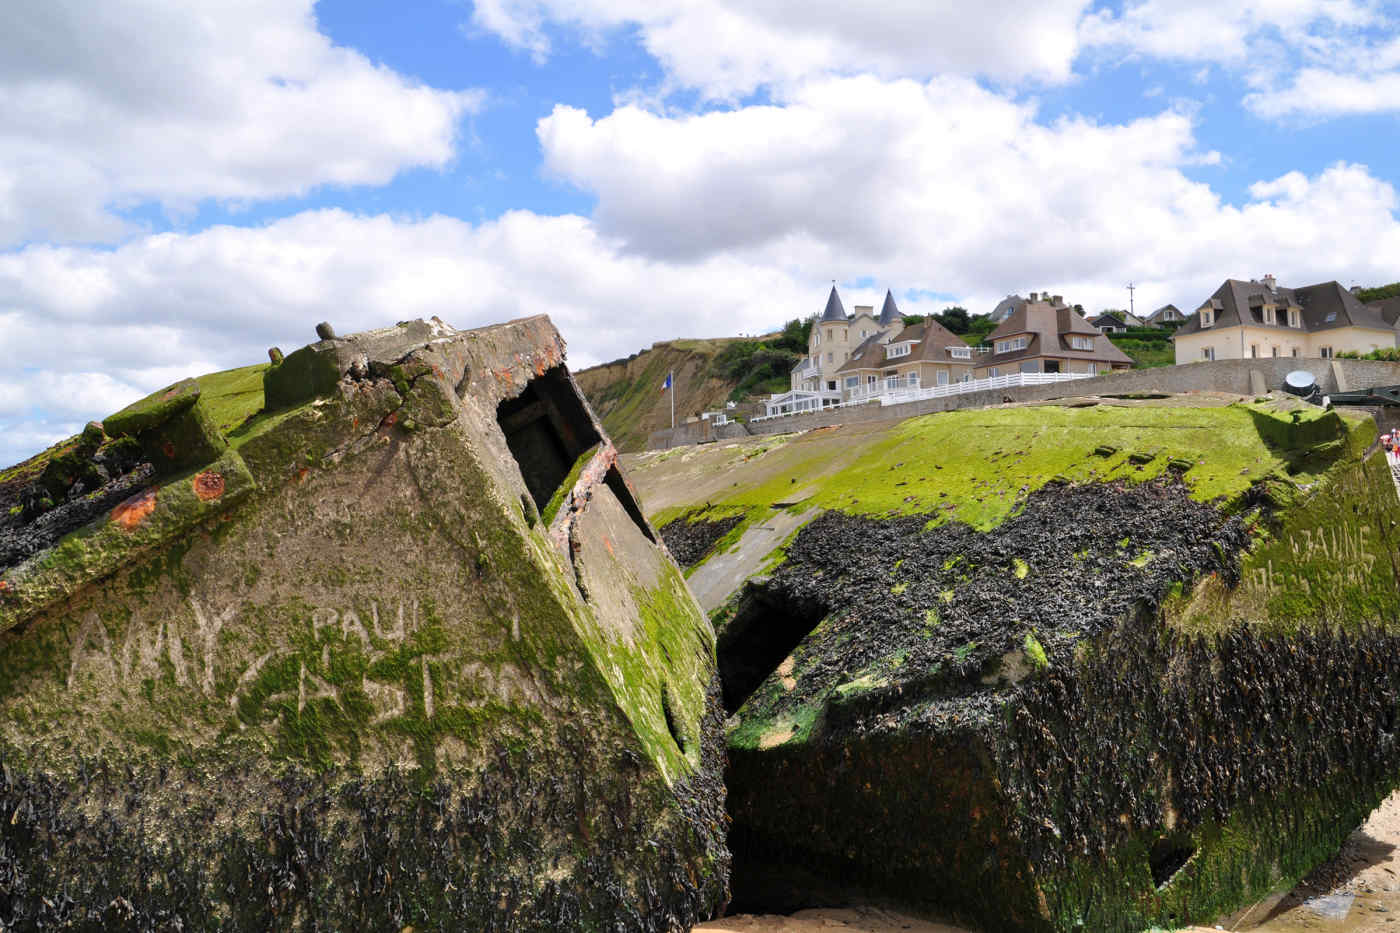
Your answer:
<point x="1131" y="310"/>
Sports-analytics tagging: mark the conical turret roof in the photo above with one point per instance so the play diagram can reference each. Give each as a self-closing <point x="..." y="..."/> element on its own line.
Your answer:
<point x="889" y="314"/>
<point x="835" y="311"/>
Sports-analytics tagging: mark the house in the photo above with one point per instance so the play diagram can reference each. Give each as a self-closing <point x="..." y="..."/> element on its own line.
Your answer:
<point x="1165" y="316"/>
<point x="926" y="354"/>
<point x="1044" y="335"/>
<point x="1258" y="318"/>
<point x="1388" y="309"/>
<point x="815" y="380"/>
<point x="1005" y="307"/>
<point x="1117" y="321"/>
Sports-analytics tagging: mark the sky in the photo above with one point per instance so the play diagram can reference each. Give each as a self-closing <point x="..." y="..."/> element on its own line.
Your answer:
<point x="186" y="184"/>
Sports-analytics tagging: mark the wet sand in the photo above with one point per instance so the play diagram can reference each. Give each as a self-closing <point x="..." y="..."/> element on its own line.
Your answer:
<point x="1356" y="892"/>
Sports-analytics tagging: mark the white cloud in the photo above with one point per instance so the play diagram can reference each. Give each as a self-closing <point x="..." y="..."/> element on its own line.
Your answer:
<point x="113" y="104"/>
<point x="1317" y="92"/>
<point x="1301" y="58"/>
<point x="706" y="225"/>
<point x="728" y="48"/>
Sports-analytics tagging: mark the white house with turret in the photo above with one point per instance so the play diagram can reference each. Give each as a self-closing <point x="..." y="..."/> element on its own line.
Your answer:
<point x="835" y="336"/>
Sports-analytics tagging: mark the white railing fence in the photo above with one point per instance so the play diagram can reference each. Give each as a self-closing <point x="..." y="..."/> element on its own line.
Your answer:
<point x="867" y="394"/>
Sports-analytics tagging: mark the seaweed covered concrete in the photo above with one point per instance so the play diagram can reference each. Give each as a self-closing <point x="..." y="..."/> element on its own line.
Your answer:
<point x="327" y="663"/>
<point x="1105" y="667"/>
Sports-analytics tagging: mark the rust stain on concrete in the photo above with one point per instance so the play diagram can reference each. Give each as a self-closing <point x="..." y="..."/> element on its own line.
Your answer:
<point x="133" y="511"/>
<point x="208" y="485"/>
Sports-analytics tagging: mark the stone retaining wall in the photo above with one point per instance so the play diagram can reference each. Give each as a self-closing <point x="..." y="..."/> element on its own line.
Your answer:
<point x="1245" y="377"/>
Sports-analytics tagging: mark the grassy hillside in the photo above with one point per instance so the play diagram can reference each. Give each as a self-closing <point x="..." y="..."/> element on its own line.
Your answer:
<point x="627" y="393"/>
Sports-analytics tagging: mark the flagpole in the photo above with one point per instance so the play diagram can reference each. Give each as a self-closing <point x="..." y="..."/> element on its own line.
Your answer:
<point x="672" y="379"/>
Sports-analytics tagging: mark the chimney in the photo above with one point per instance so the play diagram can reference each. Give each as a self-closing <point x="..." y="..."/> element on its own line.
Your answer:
<point x="1058" y="300"/>
<point x="1035" y="296"/>
<point x="1268" y="281"/>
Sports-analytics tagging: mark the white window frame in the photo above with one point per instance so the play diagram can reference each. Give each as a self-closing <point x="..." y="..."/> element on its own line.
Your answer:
<point x="1082" y="343"/>
<point x="1011" y="344"/>
<point x="942" y="377"/>
<point x="1269" y="317"/>
<point x="853" y="382"/>
<point x="1208" y="354"/>
<point x="1295" y="317"/>
<point x="960" y="353"/>
<point x="1207" y="317"/>
<point x="898" y="349"/>
<point x="1325" y="352"/>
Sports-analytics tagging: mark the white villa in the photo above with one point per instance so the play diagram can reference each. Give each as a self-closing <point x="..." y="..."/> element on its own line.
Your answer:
<point x="1248" y="320"/>
<point x="816" y="380"/>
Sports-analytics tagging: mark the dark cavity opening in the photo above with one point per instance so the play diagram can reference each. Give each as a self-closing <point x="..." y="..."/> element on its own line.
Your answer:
<point x="1167" y="857"/>
<point x="619" y="488"/>
<point x="672" y="726"/>
<point x="764" y="631"/>
<point x="547" y="427"/>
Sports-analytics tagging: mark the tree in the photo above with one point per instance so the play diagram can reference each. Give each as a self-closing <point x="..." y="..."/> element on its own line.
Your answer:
<point x="954" y="318"/>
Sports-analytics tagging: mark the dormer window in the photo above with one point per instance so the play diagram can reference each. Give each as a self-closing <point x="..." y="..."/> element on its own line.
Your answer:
<point x="1015" y="343"/>
<point x="1295" y="317"/>
<point x="1207" y="317"/>
<point x="1082" y="343"/>
<point x="960" y="353"/>
<point x="897" y="349"/>
<point x="1269" y="315"/>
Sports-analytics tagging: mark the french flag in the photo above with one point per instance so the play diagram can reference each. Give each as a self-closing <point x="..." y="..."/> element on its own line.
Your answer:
<point x="667" y="384"/>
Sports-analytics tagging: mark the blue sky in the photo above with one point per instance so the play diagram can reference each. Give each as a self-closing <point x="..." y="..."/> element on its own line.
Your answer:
<point x="183" y="185"/>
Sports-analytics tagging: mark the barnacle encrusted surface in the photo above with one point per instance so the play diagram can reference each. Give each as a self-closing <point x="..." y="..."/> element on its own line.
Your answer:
<point x="343" y="676"/>
<point x="1097" y="666"/>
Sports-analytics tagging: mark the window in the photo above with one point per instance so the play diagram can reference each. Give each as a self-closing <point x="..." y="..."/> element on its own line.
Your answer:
<point x="1207" y="317"/>
<point x="1295" y="351"/>
<point x="831" y="385"/>
<point x="870" y="380"/>
<point x="1015" y="343"/>
<point x="1031" y="367"/>
<point x="1082" y="343"/>
<point x="1325" y="352"/>
<point x="830" y="357"/>
<point x="960" y="353"/>
<point x="864" y="333"/>
<point x="1091" y="368"/>
<point x="912" y="380"/>
<point x="1275" y="351"/>
<point x="1254" y="351"/>
<point x="1208" y="353"/>
<point x="819" y="337"/>
<point x="1295" y="317"/>
<point x="1269" y="315"/>
<point x="852" y="382"/>
<point x="943" y="377"/>
<point x="892" y="382"/>
<point x="993" y="372"/>
<point x="898" y="349"/>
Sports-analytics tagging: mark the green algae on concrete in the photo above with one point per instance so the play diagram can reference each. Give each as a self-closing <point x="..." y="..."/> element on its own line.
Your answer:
<point x="359" y="688"/>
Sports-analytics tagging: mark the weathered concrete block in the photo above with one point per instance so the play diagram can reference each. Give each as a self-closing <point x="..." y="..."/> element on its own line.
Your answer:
<point x="342" y="677"/>
<point x="1012" y="674"/>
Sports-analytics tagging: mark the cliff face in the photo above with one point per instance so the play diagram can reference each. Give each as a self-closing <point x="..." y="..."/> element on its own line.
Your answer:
<point x="398" y="651"/>
<point x="627" y="394"/>
<point x="1102" y="665"/>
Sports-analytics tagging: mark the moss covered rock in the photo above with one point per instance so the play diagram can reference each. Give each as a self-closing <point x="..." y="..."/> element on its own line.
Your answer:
<point x="1052" y="667"/>
<point x="335" y="678"/>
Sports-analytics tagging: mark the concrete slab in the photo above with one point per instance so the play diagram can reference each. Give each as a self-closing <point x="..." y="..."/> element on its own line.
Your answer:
<point x="722" y="575"/>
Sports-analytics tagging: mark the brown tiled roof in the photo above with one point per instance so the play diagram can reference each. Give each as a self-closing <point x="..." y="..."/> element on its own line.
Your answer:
<point x="932" y="341"/>
<point x="1325" y="306"/>
<point x="1050" y="329"/>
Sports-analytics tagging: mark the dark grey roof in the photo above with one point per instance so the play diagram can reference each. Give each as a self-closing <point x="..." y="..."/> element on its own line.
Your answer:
<point x="1325" y="306"/>
<point x="889" y="314"/>
<point x="1387" y="308"/>
<point x="835" y="311"/>
<point x="1005" y="307"/>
